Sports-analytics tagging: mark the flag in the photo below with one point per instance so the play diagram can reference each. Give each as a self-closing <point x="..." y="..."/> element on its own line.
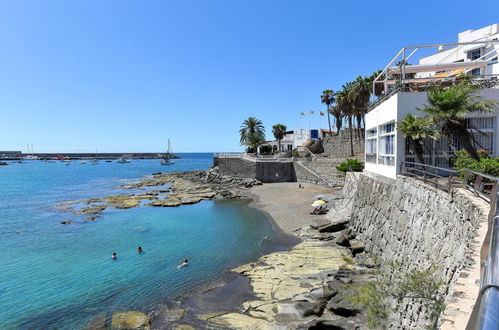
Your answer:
<point x="311" y="112"/>
<point x="322" y="113"/>
<point x="303" y="113"/>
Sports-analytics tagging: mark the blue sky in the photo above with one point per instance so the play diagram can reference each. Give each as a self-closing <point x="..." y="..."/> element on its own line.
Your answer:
<point x="76" y="76"/>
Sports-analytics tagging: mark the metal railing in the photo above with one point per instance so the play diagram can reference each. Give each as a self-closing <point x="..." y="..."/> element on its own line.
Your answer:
<point x="312" y="156"/>
<point x="484" y="186"/>
<point x="483" y="81"/>
<point x="253" y="158"/>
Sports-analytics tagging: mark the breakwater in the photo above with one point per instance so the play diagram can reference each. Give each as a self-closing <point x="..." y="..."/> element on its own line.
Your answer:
<point x="100" y="155"/>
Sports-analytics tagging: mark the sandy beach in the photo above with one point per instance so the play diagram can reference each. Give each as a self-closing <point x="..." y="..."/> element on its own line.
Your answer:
<point x="288" y="205"/>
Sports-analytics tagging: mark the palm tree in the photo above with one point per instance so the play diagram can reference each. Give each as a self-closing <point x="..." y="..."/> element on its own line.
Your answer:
<point x="279" y="131"/>
<point x="251" y="130"/>
<point x="254" y="140"/>
<point x="361" y="93"/>
<point x="416" y="130"/>
<point x="327" y="98"/>
<point x="338" y="117"/>
<point x="447" y="107"/>
<point x="345" y="103"/>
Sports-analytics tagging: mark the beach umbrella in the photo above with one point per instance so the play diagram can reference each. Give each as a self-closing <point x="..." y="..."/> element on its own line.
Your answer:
<point x="318" y="203"/>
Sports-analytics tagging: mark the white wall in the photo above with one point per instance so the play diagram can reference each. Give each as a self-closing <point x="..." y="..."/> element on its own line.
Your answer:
<point x="397" y="107"/>
<point x="383" y="113"/>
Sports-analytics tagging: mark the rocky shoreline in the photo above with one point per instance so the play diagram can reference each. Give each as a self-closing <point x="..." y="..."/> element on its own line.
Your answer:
<point x="306" y="287"/>
<point x="165" y="190"/>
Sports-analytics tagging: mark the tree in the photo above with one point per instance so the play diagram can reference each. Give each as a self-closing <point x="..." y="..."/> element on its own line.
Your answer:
<point x="338" y="116"/>
<point x="448" y="106"/>
<point x="252" y="131"/>
<point x="361" y="93"/>
<point x="253" y="140"/>
<point x="279" y="131"/>
<point x="345" y="103"/>
<point x="416" y="130"/>
<point x="327" y="98"/>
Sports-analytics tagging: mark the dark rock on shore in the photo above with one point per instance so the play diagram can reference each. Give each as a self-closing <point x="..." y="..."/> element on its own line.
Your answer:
<point x="184" y="188"/>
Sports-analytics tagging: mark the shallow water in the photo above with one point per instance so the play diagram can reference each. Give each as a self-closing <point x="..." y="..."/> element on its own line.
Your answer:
<point x="62" y="276"/>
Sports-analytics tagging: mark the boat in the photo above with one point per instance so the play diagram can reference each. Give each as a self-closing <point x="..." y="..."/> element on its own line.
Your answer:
<point x="123" y="160"/>
<point x="109" y="161"/>
<point x="83" y="162"/>
<point x="168" y="158"/>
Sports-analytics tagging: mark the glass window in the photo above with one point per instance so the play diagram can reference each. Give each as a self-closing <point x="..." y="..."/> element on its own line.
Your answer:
<point x="475" y="72"/>
<point x="372" y="132"/>
<point x="388" y="128"/>
<point x="475" y="54"/>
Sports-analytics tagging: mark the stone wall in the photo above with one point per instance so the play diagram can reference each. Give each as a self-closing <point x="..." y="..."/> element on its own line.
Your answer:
<point x="338" y="145"/>
<point x="264" y="171"/>
<point x="319" y="172"/>
<point x="417" y="226"/>
<point x="235" y="166"/>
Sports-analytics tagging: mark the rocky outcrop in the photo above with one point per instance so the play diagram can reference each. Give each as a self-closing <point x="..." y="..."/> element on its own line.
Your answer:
<point x="174" y="189"/>
<point x="130" y="320"/>
<point x="304" y="288"/>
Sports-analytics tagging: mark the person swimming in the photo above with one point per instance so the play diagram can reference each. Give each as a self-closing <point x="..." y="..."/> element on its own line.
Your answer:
<point x="139" y="250"/>
<point x="185" y="263"/>
<point x="114" y="256"/>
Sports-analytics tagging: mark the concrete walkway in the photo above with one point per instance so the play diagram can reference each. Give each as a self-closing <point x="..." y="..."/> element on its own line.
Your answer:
<point x="289" y="205"/>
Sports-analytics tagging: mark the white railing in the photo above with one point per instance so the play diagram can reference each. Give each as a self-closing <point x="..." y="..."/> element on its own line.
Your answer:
<point x="254" y="159"/>
<point x="312" y="155"/>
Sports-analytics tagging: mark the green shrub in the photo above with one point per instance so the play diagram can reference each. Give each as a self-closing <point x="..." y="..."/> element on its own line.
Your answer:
<point x="353" y="165"/>
<point x="266" y="149"/>
<point x="486" y="165"/>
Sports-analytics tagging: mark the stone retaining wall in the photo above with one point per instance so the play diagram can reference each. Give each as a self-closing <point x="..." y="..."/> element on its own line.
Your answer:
<point x="417" y="226"/>
<point x="338" y="145"/>
<point x="235" y="166"/>
<point x="326" y="173"/>
<point x="267" y="172"/>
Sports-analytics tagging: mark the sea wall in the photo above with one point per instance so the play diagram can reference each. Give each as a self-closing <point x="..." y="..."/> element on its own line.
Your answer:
<point x="267" y="171"/>
<point x="235" y="166"/>
<point x="338" y="145"/>
<point x="416" y="226"/>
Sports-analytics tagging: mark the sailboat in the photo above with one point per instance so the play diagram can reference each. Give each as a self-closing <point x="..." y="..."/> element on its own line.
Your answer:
<point x="123" y="160"/>
<point x="167" y="158"/>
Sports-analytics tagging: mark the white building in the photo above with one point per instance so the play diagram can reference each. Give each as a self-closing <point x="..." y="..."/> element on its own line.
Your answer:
<point x="298" y="138"/>
<point x="404" y="91"/>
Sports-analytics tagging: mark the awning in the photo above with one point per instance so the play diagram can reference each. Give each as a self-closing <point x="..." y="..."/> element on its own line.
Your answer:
<point x="439" y="67"/>
<point x="469" y="48"/>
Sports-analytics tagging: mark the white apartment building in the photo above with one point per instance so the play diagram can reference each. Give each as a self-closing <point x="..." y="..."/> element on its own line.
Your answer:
<point x="297" y="138"/>
<point x="404" y="91"/>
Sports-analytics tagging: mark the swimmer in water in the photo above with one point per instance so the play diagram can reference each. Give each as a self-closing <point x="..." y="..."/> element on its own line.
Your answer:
<point x="139" y="250"/>
<point x="185" y="263"/>
<point x="114" y="256"/>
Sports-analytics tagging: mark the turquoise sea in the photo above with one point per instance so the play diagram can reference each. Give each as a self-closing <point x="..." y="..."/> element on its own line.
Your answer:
<point x="62" y="276"/>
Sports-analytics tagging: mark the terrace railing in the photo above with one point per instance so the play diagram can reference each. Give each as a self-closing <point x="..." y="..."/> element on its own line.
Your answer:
<point x="486" y="314"/>
<point x="253" y="158"/>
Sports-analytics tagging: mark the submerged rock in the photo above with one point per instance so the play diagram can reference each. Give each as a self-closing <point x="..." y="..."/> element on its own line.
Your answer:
<point x="130" y="320"/>
<point x="65" y="222"/>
